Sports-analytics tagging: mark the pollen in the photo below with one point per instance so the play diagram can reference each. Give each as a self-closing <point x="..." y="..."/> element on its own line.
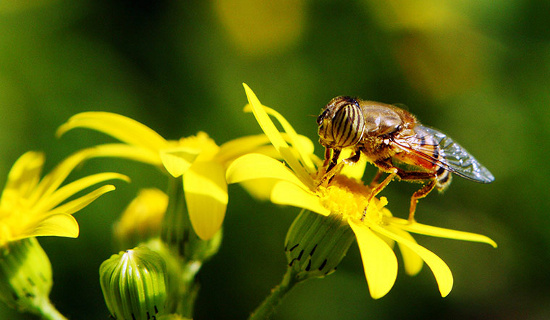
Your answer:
<point x="349" y="198"/>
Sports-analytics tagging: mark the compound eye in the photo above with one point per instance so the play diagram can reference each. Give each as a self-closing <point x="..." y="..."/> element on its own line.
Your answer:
<point x="321" y="117"/>
<point x="348" y="125"/>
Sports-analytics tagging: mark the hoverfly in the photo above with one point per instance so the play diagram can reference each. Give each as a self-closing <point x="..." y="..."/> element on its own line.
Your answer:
<point x="395" y="142"/>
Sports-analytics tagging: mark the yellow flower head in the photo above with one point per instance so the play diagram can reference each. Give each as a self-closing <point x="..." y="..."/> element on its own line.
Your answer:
<point x="376" y="230"/>
<point x="197" y="159"/>
<point x="31" y="207"/>
<point x="142" y="218"/>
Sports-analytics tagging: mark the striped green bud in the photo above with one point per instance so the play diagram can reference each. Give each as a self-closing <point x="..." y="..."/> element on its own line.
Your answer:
<point x="134" y="284"/>
<point x="25" y="275"/>
<point x="315" y="244"/>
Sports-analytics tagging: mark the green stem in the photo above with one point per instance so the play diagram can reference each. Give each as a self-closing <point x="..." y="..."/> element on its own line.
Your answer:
<point x="48" y="312"/>
<point x="188" y="250"/>
<point x="269" y="305"/>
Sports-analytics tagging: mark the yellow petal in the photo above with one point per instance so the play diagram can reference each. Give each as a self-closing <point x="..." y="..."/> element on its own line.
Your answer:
<point x="255" y="166"/>
<point x="120" y="127"/>
<point x="260" y="189"/>
<point x="80" y="203"/>
<point x="60" y="225"/>
<point x="379" y="260"/>
<point x="177" y="160"/>
<point x="22" y="178"/>
<point x="63" y="193"/>
<point x="355" y="170"/>
<point x="55" y="178"/>
<point x="441" y="271"/>
<point x="412" y="261"/>
<point x="240" y="146"/>
<point x="276" y="138"/>
<point x="125" y="151"/>
<point x="206" y="196"/>
<point x="287" y="193"/>
<point x="441" y="232"/>
<point x="292" y="135"/>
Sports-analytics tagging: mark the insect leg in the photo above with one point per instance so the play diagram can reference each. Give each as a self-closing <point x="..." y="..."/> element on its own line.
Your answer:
<point x="419" y="194"/>
<point x="330" y="166"/>
<point x="377" y="177"/>
<point x="354" y="158"/>
<point x="376" y="190"/>
<point x="334" y="159"/>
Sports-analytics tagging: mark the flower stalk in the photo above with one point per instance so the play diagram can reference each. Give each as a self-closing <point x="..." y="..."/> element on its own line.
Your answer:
<point x="270" y="304"/>
<point x="186" y="250"/>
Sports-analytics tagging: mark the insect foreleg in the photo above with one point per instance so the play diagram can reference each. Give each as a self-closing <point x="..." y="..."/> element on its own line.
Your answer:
<point x="333" y="159"/>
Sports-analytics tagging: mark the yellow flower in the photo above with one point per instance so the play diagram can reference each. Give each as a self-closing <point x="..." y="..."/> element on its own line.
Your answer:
<point x="345" y="196"/>
<point x="142" y="218"/>
<point x="197" y="159"/>
<point x="30" y="207"/>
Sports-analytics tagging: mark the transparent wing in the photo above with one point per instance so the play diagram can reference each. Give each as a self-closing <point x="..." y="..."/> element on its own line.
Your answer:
<point x="442" y="151"/>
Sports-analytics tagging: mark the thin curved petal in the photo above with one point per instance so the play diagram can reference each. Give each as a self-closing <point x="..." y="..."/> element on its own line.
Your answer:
<point x="258" y="144"/>
<point x="276" y="138"/>
<point x="441" y="232"/>
<point x="78" y="204"/>
<point x="240" y="146"/>
<point x="120" y="127"/>
<point x="59" y="225"/>
<point x="379" y="260"/>
<point x="206" y="196"/>
<point x="294" y="138"/>
<point x="256" y="166"/>
<point x="125" y="151"/>
<point x="287" y="193"/>
<point x="177" y="160"/>
<point x="441" y="271"/>
<point x="412" y="261"/>
<point x="63" y="193"/>
<point x="23" y="177"/>
<point x="55" y="178"/>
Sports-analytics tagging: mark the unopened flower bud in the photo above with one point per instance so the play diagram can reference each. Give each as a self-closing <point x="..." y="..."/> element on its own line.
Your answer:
<point x="316" y="244"/>
<point x="134" y="284"/>
<point x="25" y="275"/>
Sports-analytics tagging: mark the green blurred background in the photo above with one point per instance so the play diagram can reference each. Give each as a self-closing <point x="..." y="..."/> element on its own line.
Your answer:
<point x="476" y="69"/>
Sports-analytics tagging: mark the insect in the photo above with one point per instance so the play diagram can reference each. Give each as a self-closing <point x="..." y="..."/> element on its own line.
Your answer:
<point x="395" y="142"/>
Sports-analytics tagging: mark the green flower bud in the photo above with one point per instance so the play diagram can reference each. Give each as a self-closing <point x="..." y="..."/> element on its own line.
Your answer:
<point x="134" y="284"/>
<point x="316" y="244"/>
<point x="25" y="275"/>
<point x="173" y="317"/>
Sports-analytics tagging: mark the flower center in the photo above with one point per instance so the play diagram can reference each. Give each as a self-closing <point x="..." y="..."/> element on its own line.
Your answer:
<point x="349" y="198"/>
<point x="203" y="142"/>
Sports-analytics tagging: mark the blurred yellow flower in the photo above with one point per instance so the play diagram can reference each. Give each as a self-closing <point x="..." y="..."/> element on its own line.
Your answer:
<point x="142" y="218"/>
<point x="260" y="28"/>
<point x="345" y="196"/>
<point x="30" y="207"/>
<point x="197" y="159"/>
